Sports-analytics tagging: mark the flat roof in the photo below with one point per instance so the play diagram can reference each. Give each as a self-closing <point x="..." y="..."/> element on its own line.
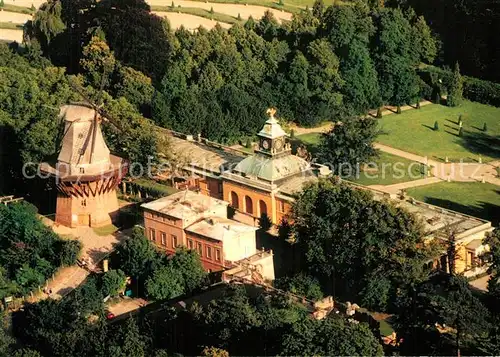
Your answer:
<point x="219" y="228"/>
<point x="186" y="205"/>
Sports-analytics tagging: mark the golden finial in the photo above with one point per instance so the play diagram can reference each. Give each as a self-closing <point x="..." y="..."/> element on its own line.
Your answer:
<point x="271" y="112"/>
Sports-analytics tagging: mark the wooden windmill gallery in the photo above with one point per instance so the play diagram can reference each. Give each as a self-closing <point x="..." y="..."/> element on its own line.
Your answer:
<point x="86" y="174"/>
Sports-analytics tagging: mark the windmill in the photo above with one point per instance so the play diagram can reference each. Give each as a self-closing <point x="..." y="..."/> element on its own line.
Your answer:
<point x="86" y="173"/>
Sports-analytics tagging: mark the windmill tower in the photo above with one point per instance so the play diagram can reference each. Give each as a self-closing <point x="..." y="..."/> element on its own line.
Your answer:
<point x="86" y="173"/>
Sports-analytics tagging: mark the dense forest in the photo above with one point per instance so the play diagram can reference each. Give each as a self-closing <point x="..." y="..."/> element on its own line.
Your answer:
<point x="467" y="31"/>
<point x="326" y="64"/>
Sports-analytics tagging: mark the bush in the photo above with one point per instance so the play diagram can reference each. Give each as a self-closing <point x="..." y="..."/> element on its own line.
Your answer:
<point x="69" y="252"/>
<point x="436" y="126"/>
<point x="460" y="120"/>
<point x="398" y="109"/>
<point x="248" y="143"/>
<point x="211" y="10"/>
<point x="2" y="4"/>
<point x="485" y="128"/>
<point x="265" y="222"/>
<point x="113" y="282"/>
<point x="474" y="89"/>
<point x="418" y="103"/>
<point x="437" y="98"/>
<point x="239" y="17"/>
<point x="292" y="134"/>
<point x="461" y="132"/>
<point x="379" y="112"/>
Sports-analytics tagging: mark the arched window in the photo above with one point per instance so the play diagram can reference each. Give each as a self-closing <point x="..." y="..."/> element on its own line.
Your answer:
<point x="234" y="200"/>
<point x="263" y="208"/>
<point x="248" y="205"/>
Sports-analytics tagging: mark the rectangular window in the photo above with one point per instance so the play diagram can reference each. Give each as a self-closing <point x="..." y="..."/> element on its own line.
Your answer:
<point x="152" y="234"/>
<point x="217" y="255"/>
<point x="163" y="238"/>
<point x="199" y="248"/>
<point x="282" y="206"/>
<point x="174" y="241"/>
<point x="209" y="251"/>
<point x="190" y="244"/>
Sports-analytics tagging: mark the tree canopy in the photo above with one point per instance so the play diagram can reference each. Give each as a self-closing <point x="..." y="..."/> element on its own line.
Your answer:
<point x="372" y="248"/>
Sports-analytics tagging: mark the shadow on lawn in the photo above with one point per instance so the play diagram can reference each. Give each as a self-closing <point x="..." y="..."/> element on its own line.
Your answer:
<point x="485" y="210"/>
<point x="428" y="127"/>
<point x="481" y="143"/>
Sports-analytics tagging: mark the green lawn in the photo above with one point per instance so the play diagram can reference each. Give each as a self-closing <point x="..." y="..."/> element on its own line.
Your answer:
<point x="412" y="131"/>
<point x="105" y="230"/>
<point x="389" y="169"/>
<point x="10" y="26"/>
<point x="476" y="199"/>
<point x="287" y="5"/>
<point x="386" y="169"/>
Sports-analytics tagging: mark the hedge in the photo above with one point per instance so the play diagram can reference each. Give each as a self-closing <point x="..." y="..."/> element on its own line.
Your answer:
<point x="476" y="90"/>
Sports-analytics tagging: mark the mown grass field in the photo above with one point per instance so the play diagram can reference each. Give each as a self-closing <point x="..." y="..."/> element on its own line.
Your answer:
<point x="386" y="169"/>
<point x="476" y="199"/>
<point x="200" y="12"/>
<point x="10" y="26"/>
<point x="412" y="131"/>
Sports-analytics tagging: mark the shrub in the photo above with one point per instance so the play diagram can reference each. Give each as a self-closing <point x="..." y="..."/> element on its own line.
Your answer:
<point x="172" y="5"/>
<point x="437" y="98"/>
<point x="265" y="222"/>
<point x="460" y="120"/>
<point x="461" y="132"/>
<point x="436" y="126"/>
<point x="33" y="8"/>
<point x="456" y="88"/>
<point x="292" y="134"/>
<point x="69" y="252"/>
<point x="379" y="112"/>
<point x="485" y="128"/>
<point x="474" y="89"/>
<point x="281" y="3"/>
<point x="418" y="103"/>
<point x="248" y="143"/>
<point x="398" y="109"/>
<point x="211" y="10"/>
<point x="113" y="282"/>
<point x="2" y="4"/>
<point x="239" y="17"/>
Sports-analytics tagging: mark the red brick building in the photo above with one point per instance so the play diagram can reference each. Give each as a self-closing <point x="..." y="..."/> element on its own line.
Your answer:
<point x="198" y="222"/>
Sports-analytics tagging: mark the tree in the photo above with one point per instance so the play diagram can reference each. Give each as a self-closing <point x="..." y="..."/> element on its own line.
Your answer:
<point x="332" y="336"/>
<point x="492" y="240"/>
<point x="485" y="127"/>
<point x="265" y="222"/>
<point x="302" y="285"/>
<point x="344" y="233"/>
<point x="449" y="301"/>
<point x="436" y="126"/>
<point x="113" y="282"/>
<point x="348" y="144"/>
<point x="98" y="63"/>
<point x="187" y="265"/>
<point x="394" y="57"/>
<point x="69" y="252"/>
<point x="455" y="96"/>
<point x="47" y="22"/>
<point x="164" y="283"/>
<point x="127" y="341"/>
<point x="318" y="8"/>
<point x="136" y="254"/>
<point x="2" y="3"/>
<point x="214" y="352"/>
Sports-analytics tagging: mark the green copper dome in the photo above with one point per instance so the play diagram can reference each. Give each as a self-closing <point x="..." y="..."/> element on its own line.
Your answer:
<point x="271" y="168"/>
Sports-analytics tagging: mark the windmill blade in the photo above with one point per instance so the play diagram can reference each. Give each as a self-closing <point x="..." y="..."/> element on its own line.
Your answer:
<point x="104" y="115"/>
<point x="95" y="123"/>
